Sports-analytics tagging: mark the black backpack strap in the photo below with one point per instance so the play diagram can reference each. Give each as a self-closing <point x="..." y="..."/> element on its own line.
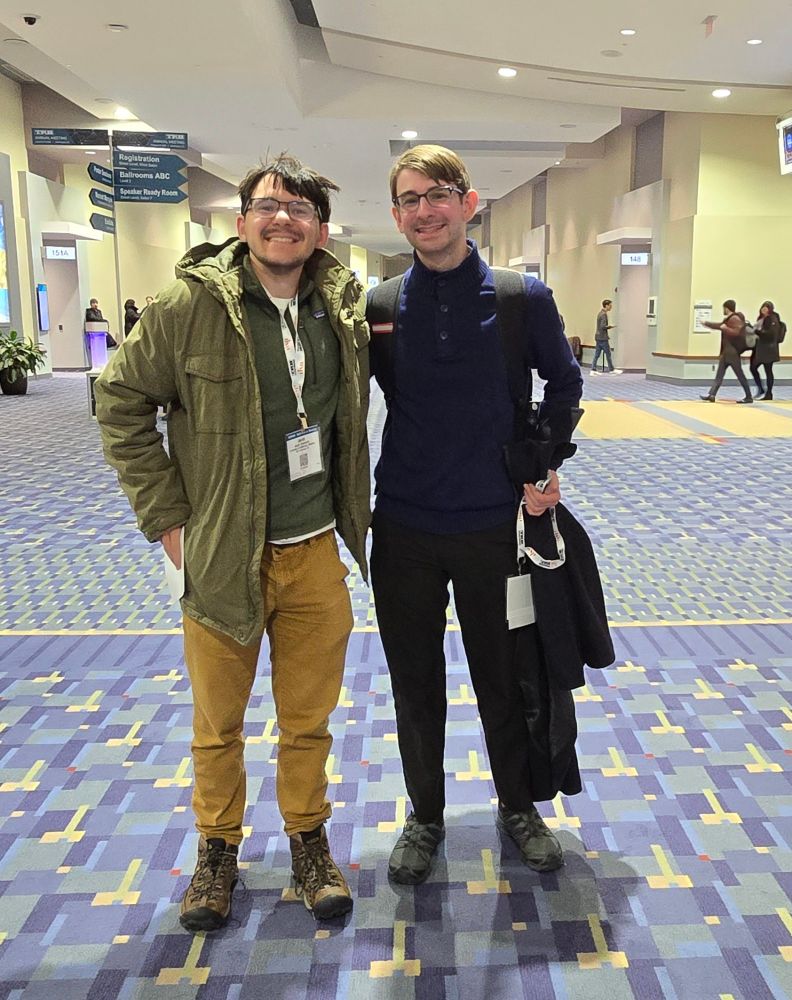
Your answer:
<point x="382" y="314"/>
<point x="511" y="313"/>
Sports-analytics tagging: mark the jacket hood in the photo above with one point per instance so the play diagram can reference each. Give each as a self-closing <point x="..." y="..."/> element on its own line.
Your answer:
<point x="214" y="264"/>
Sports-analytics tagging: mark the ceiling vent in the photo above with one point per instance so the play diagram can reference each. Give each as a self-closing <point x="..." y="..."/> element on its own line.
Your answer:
<point x="619" y="86"/>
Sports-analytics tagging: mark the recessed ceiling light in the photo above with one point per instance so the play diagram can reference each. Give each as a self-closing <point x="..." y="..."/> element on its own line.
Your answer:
<point x="610" y="53"/>
<point x="104" y="100"/>
<point x="15" y="41"/>
<point x="90" y="152"/>
<point x="409" y="133"/>
<point x="507" y="71"/>
<point x="754" y="41"/>
<point x="628" y="31"/>
<point x="117" y="27"/>
<point x="568" y="125"/>
<point x="721" y="92"/>
<point x="558" y="163"/>
<point x="123" y="114"/>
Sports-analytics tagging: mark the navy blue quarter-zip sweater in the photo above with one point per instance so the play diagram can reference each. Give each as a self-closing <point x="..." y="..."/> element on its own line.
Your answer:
<point x="441" y="468"/>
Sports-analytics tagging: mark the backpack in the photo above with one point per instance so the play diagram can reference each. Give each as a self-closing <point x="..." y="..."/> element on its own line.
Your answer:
<point x="510" y="299"/>
<point x="746" y="339"/>
<point x="781" y="331"/>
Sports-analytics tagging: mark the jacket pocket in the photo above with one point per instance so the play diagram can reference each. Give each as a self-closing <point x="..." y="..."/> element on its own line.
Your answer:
<point x="214" y="396"/>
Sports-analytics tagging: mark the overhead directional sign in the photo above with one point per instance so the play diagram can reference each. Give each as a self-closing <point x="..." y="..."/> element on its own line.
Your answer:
<point x="101" y="175"/>
<point x="149" y="177"/>
<point x="151" y="140"/>
<point x="104" y="223"/>
<point x="102" y="199"/>
<point x="70" y="137"/>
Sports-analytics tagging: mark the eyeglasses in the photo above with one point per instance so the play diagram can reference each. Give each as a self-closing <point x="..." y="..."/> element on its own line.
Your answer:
<point x="437" y="197"/>
<point x="266" y="208"/>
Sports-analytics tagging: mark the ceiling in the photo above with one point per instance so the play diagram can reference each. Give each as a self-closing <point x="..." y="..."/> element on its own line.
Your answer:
<point x="337" y="81"/>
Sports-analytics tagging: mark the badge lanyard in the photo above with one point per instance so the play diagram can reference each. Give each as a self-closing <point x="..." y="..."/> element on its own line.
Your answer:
<point x="527" y="550"/>
<point x="295" y="357"/>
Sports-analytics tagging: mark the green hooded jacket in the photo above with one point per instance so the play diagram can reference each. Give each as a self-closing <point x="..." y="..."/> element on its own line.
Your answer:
<point x="192" y="352"/>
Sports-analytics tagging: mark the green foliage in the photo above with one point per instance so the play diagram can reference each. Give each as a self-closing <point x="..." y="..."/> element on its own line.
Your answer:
<point x="19" y="355"/>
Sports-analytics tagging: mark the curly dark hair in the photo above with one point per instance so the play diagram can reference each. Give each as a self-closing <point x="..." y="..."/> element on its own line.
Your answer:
<point x="296" y="178"/>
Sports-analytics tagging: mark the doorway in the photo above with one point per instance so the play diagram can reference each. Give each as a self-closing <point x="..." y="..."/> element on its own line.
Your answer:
<point x="67" y="342"/>
<point x="631" y="342"/>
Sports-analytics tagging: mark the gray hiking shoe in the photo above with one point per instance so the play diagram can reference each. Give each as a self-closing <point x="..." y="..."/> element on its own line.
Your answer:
<point x="538" y="845"/>
<point x="412" y="856"/>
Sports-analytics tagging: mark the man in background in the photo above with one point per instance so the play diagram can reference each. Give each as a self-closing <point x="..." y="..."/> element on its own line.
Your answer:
<point x="602" y="339"/>
<point x="732" y="330"/>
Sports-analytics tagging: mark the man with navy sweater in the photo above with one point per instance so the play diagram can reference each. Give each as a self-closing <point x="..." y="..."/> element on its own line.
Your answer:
<point x="446" y="507"/>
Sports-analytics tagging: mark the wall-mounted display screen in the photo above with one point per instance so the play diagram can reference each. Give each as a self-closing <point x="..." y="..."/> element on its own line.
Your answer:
<point x="42" y="301"/>
<point x="5" y="309"/>
<point x="785" y="145"/>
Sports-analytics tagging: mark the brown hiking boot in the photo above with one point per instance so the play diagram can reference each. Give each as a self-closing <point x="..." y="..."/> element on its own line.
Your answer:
<point x="317" y="878"/>
<point x="207" y="903"/>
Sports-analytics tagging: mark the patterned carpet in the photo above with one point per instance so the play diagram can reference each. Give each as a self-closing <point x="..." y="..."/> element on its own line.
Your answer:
<point x="679" y="856"/>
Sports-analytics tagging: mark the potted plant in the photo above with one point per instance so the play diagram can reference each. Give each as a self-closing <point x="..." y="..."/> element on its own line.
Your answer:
<point x="18" y="357"/>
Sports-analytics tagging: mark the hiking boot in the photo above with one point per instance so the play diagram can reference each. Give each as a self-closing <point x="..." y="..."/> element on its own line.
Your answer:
<point x="413" y="853"/>
<point x="708" y="399"/>
<point x="317" y="878"/>
<point x="539" y="847"/>
<point x="207" y="903"/>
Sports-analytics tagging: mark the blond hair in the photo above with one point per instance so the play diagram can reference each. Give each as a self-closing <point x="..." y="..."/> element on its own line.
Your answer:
<point x="436" y="162"/>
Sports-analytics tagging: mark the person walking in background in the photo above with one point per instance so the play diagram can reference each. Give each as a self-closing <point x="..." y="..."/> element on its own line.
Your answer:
<point x="602" y="340"/>
<point x="260" y="350"/>
<point x="131" y="316"/>
<point x="765" y="353"/>
<point x="732" y="345"/>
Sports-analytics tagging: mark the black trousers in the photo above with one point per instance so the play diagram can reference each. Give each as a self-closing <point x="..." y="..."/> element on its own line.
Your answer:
<point x="410" y="572"/>
<point x="757" y="378"/>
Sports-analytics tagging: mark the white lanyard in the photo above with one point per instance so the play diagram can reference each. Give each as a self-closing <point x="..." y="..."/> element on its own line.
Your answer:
<point x="527" y="550"/>
<point x="295" y="357"/>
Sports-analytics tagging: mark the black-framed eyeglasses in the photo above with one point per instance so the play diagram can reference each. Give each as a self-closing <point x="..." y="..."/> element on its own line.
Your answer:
<point x="266" y="208"/>
<point x="439" y="196"/>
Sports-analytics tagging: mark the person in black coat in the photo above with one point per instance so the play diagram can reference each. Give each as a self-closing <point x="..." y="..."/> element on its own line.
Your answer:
<point x="93" y="314"/>
<point x="131" y="316"/>
<point x="765" y="352"/>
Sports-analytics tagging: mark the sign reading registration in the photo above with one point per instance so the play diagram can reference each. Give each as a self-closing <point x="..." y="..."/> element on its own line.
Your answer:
<point x="148" y="177"/>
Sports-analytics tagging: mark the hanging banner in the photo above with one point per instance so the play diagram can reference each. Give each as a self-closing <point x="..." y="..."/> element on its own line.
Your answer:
<point x="150" y="140"/>
<point x="70" y="137"/>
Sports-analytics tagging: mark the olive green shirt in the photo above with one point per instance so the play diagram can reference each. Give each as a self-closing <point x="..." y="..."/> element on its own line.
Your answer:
<point x="305" y="506"/>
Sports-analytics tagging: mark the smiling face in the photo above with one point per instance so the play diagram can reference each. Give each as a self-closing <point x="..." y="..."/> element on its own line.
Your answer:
<point x="438" y="234"/>
<point x="279" y="245"/>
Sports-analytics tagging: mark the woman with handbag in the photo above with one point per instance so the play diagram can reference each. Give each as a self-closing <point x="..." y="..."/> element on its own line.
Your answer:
<point x="765" y="352"/>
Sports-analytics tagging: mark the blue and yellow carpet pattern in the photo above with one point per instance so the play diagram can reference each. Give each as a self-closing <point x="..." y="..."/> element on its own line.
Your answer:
<point x="679" y="851"/>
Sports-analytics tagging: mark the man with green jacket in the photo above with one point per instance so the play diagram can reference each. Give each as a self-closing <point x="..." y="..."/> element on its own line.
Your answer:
<point x="259" y="350"/>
